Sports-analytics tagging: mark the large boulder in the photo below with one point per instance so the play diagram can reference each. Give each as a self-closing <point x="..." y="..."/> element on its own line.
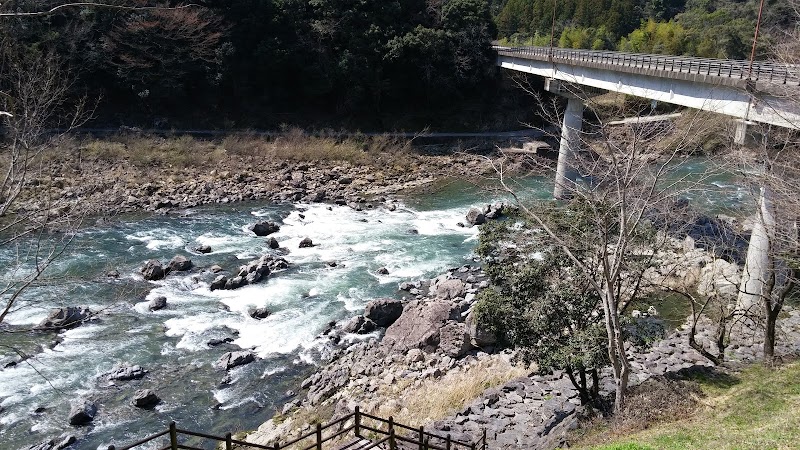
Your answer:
<point x="145" y="399"/>
<point x="157" y="303"/>
<point x="153" y="270"/>
<point x="383" y="311"/>
<point x="180" y="263"/>
<point x="273" y="243"/>
<point x="234" y="359"/>
<point x="453" y="339"/>
<point x="478" y="335"/>
<point x="82" y="413"/>
<point x="64" y="318"/>
<point x="475" y="217"/>
<point x="306" y="243"/>
<point x="126" y="373"/>
<point x="419" y="325"/>
<point x="263" y="228"/>
<point x="449" y="289"/>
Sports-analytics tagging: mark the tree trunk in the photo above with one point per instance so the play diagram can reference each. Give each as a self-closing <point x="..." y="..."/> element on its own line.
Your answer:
<point x="616" y="349"/>
<point x="769" y="335"/>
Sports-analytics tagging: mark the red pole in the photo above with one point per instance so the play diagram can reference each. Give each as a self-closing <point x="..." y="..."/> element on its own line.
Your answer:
<point x="755" y="40"/>
<point x="553" y="28"/>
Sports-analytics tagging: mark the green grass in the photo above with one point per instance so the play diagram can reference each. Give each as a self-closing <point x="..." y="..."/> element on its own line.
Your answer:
<point x="760" y="409"/>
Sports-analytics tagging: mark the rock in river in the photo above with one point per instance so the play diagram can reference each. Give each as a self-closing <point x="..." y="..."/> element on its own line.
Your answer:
<point x="126" y="373"/>
<point x="263" y="228"/>
<point x="157" y="303"/>
<point x="475" y="217"/>
<point x="153" y="270"/>
<point x="233" y="359"/>
<point x="258" y="313"/>
<point x="64" y="318"/>
<point x="145" y="399"/>
<point x="180" y="263"/>
<point x="82" y="413"/>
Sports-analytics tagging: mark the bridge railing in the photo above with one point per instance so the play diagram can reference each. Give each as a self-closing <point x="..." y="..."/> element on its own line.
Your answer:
<point x="760" y="71"/>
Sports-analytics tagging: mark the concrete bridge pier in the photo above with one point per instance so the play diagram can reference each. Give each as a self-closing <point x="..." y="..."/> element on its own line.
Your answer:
<point x="759" y="264"/>
<point x="566" y="172"/>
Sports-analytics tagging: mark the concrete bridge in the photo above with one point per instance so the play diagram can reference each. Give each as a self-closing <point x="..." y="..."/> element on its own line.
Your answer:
<point x="735" y="88"/>
<point x="760" y="92"/>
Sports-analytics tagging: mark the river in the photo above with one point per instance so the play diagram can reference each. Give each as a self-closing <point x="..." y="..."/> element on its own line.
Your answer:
<point x="420" y="239"/>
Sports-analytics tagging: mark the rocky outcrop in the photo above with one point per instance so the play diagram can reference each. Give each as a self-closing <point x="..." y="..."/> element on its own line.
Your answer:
<point x="384" y="311"/>
<point x="419" y="325"/>
<point x="64" y="318"/>
<point x="157" y="303"/>
<point x="126" y="373"/>
<point x="82" y="413"/>
<point x="179" y="263"/>
<point x="263" y="228"/>
<point x="306" y="243"/>
<point x="234" y="359"/>
<point x="145" y="399"/>
<point x="272" y="243"/>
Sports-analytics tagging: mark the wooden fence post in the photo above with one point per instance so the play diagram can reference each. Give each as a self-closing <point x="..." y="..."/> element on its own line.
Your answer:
<point x="391" y="434"/>
<point x="319" y="436"/>
<point x="421" y="438"/>
<point x="357" y="426"/>
<point x="173" y="436"/>
<point x="484" y="439"/>
<point x="228" y="442"/>
<point x="447" y="444"/>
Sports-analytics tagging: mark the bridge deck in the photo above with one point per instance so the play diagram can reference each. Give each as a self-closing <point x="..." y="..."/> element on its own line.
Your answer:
<point x="736" y="72"/>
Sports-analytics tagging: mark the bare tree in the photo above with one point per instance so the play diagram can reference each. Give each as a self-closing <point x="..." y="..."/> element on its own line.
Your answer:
<point x="619" y="188"/>
<point x="35" y="97"/>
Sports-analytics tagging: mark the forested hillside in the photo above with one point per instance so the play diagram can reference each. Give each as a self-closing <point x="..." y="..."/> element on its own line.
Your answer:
<point x="258" y="63"/>
<point x="707" y="28"/>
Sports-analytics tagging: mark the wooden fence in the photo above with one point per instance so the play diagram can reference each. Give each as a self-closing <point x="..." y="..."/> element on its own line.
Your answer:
<point x="366" y="431"/>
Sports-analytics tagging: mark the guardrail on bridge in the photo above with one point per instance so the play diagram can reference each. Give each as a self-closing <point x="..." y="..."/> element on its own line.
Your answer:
<point x="763" y="71"/>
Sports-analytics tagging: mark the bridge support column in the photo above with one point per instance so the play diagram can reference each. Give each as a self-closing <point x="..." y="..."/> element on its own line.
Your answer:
<point x="758" y="265"/>
<point x="566" y="172"/>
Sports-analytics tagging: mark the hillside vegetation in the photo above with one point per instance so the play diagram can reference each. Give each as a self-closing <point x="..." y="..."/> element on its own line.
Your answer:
<point x="707" y="28"/>
<point x="756" y="409"/>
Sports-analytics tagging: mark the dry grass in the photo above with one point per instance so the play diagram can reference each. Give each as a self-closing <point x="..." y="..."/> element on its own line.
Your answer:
<point x="294" y="145"/>
<point x="435" y="399"/>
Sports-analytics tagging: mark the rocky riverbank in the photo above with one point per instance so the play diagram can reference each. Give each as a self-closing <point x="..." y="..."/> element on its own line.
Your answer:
<point x="431" y="366"/>
<point x="94" y="186"/>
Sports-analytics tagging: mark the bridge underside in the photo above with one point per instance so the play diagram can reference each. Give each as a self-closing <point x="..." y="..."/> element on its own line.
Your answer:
<point x="704" y="93"/>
